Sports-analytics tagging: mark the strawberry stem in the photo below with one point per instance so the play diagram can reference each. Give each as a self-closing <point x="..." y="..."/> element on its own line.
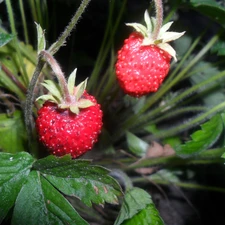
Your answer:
<point x="59" y="74"/>
<point x="159" y="18"/>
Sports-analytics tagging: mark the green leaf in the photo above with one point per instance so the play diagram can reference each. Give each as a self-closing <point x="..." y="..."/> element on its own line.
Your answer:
<point x="41" y="38"/>
<point x="40" y="203"/>
<point x="71" y="81"/>
<point x="147" y="216"/>
<point x="12" y="132"/>
<point x="202" y="139"/>
<point x="210" y="8"/>
<point x="138" y="209"/>
<point x="136" y="145"/>
<point x="5" y="38"/>
<point x="14" y="169"/>
<point x="89" y="183"/>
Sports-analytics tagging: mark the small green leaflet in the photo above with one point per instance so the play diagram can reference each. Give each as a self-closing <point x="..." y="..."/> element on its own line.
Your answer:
<point x="12" y="132"/>
<point x="40" y="203"/>
<point x="41" y="38"/>
<point x="136" y="145"/>
<point x="202" y="139"/>
<point x="89" y="183"/>
<point x="14" y="170"/>
<point x="138" y="208"/>
<point x="5" y="38"/>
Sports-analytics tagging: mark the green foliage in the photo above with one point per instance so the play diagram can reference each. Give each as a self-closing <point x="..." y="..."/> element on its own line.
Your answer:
<point x="202" y="139"/>
<point x="138" y="208"/>
<point x="5" y="38"/>
<point x="36" y="191"/>
<point x="211" y="9"/>
<point x="36" y="187"/>
<point x="13" y="133"/>
<point x="14" y="170"/>
<point x="91" y="184"/>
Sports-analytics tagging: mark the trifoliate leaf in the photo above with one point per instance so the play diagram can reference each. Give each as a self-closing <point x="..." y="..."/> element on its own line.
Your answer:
<point x="138" y="208"/>
<point x="40" y="203"/>
<point x="41" y="38"/>
<point x="89" y="183"/>
<point x="136" y="145"/>
<point x="202" y="139"/>
<point x="14" y="169"/>
<point x="5" y="38"/>
<point x="71" y="81"/>
<point x="12" y="132"/>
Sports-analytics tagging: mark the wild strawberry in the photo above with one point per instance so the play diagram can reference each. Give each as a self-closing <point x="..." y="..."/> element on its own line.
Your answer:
<point x="68" y="124"/>
<point x="144" y="60"/>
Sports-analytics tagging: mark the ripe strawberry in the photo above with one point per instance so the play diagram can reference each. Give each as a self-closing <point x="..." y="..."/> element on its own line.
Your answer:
<point x="69" y="127"/>
<point x="144" y="60"/>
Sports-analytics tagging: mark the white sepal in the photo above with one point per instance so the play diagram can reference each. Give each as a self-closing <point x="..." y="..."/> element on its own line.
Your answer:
<point x="170" y="36"/>
<point x="138" y="27"/>
<point x="166" y="47"/>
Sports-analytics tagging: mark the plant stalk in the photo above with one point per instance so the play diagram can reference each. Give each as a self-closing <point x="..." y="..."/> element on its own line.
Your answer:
<point x="159" y="18"/>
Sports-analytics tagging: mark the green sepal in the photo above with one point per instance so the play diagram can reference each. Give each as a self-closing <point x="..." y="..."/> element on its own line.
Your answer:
<point x="71" y="81"/>
<point x="74" y="109"/>
<point x="47" y="98"/>
<point x="53" y="88"/>
<point x="85" y="103"/>
<point x="79" y="90"/>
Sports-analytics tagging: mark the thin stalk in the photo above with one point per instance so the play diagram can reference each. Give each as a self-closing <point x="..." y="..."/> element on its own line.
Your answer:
<point x="62" y="39"/>
<point x="206" y="157"/>
<point x="13" y="78"/>
<point x="24" y="22"/>
<point x="179" y="184"/>
<point x="179" y="98"/>
<point x="15" y="41"/>
<point x="177" y="112"/>
<point x="105" y="47"/>
<point x="159" y="18"/>
<point x="33" y="10"/>
<point x="190" y="124"/>
<point x="184" y="58"/>
<point x="110" y="81"/>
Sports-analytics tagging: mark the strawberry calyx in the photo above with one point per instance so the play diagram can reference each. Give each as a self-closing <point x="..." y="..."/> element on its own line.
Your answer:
<point x="161" y="38"/>
<point x="74" y="102"/>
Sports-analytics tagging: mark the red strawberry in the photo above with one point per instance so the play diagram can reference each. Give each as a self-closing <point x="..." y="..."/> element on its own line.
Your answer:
<point x="68" y="124"/>
<point x="144" y="60"/>
<point x="64" y="132"/>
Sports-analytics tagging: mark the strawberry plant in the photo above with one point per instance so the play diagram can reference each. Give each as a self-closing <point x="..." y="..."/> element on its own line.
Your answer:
<point x="138" y="138"/>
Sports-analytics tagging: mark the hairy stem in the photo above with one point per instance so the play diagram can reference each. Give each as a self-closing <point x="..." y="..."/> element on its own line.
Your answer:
<point x="59" y="74"/>
<point x="159" y="18"/>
